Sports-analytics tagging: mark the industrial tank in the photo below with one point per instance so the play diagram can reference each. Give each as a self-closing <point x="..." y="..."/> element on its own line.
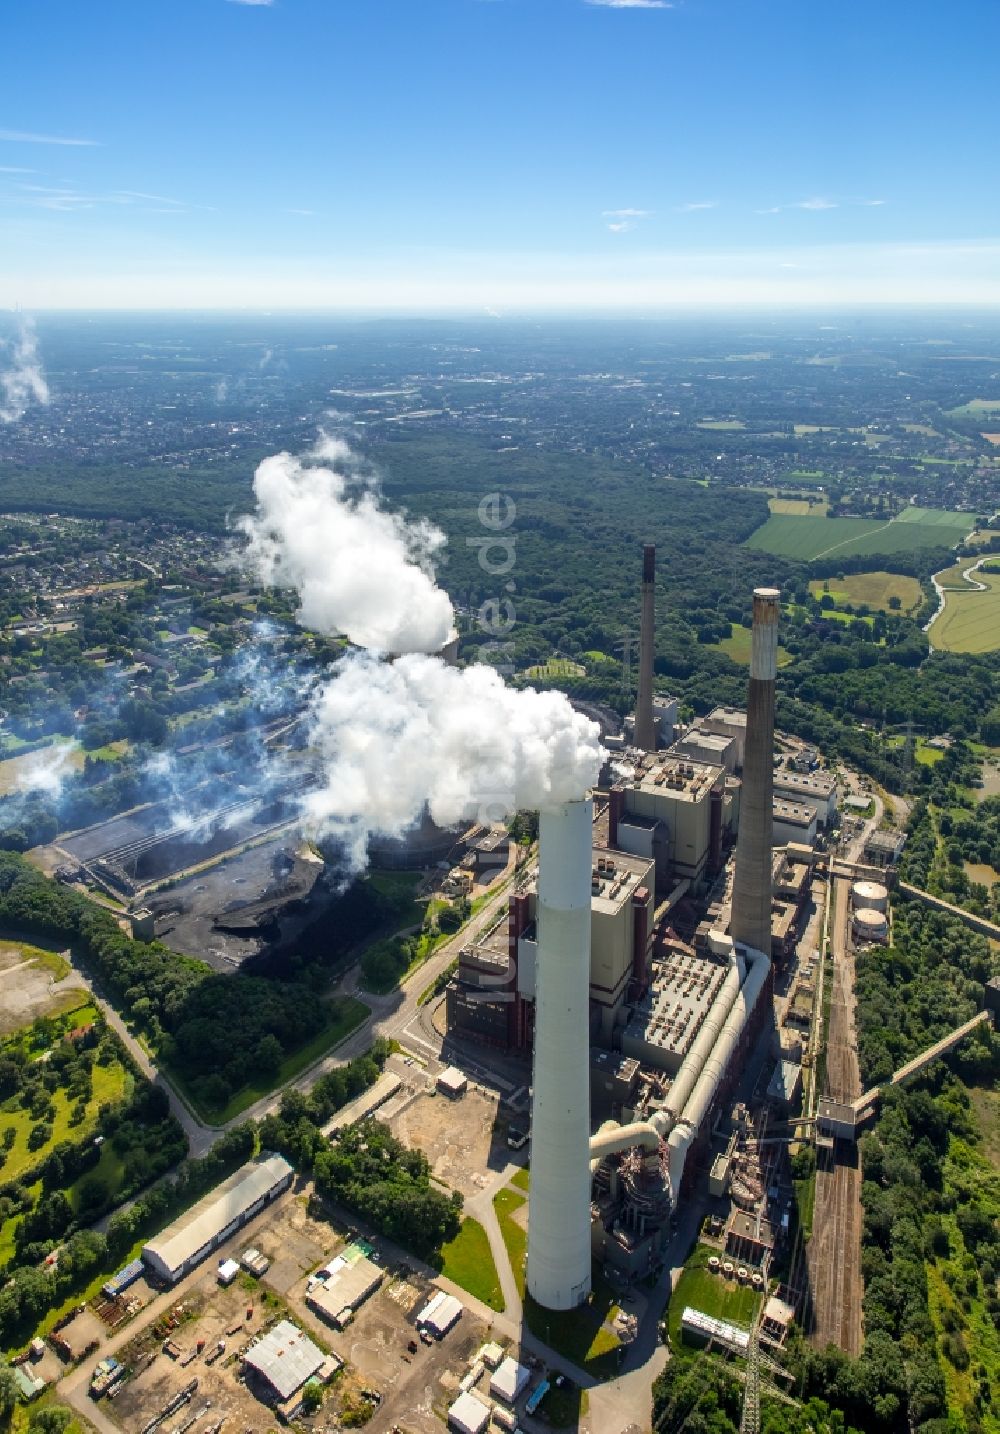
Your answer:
<point x="870" y="925"/>
<point x="869" y="896"/>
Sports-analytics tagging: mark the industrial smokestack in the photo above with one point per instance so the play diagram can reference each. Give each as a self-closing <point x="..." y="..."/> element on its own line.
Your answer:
<point x="645" y="727"/>
<point x="751" y="920"/>
<point x="559" y="1212"/>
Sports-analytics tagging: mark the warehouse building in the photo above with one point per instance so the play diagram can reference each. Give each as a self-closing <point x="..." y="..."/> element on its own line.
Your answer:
<point x="203" y="1228"/>
<point x="715" y="749"/>
<point x="342" y="1286"/>
<point x="284" y="1359"/>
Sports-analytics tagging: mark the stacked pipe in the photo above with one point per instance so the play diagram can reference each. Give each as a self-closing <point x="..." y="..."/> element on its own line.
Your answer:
<point x="559" y="1224"/>
<point x="751" y="917"/>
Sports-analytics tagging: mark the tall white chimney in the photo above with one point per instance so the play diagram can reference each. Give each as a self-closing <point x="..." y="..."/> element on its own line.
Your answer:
<point x="559" y="1205"/>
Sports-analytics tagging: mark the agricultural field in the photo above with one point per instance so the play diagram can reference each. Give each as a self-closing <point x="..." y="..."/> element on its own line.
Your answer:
<point x="799" y="507"/>
<point x="970" y="620"/>
<point x="875" y="589"/>
<point x="721" y="425"/>
<point x="807" y="538"/>
<point x="976" y="408"/>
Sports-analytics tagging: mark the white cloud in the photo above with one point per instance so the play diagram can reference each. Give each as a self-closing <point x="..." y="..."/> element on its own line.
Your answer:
<point x="18" y="136"/>
<point x="22" y="379"/>
<point x="817" y="202"/>
<point x="307" y="212"/>
<point x="622" y="227"/>
<point x="696" y="204"/>
<point x="153" y="198"/>
<point x="251" y="2"/>
<point x="622" y="4"/>
<point x="14" y="169"/>
<point x="625" y="213"/>
<point x="870" y="203"/>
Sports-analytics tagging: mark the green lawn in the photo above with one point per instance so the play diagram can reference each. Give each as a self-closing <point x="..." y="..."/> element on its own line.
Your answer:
<point x="110" y="1084"/>
<point x="807" y="538"/>
<point x="522" y="1179"/>
<point x="737" y="647"/>
<point x="699" y="1288"/>
<point x="515" y="1237"/>
<point x="584" y="1334"/>
<point x="346" y="1014"/>
<point x="110" y="1168"/>
<point x="468" y="1260"/>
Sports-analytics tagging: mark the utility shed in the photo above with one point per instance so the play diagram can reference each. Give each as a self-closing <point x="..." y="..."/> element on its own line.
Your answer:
<point x="510" y="1381"/>
<point x="453" y="1082"/>
<point x="203" y="1228"/>
<point x="468" y="1415"/>
<point x="285" y="1358"/>
<point x="438" y="1318"/>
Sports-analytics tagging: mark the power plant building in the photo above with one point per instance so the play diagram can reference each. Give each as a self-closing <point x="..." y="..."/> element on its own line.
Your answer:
<point x="714" y="749"/>
<point x="494" y="991"/>
<point x="794" y="822"/>
<point x="815" y="789"/>
<point x="728" y="722"/>
<point x="674" y="812"/>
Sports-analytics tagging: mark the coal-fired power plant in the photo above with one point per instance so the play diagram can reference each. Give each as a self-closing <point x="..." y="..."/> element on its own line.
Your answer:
<point x="751" y="919"/>
<point x="645" y="725"/>
<point x="559" y="1227"/>
<point x="613" y="1195"/>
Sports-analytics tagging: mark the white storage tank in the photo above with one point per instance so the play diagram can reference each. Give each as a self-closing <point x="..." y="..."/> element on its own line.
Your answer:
<point x="870" y="925"/>
<point x="869" y="896"/>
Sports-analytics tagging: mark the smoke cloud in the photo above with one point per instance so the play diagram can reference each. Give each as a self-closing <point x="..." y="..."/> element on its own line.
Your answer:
<point x="398" y="737"/>
<point x="22" y="381"/>
<point x="359" y="569"/>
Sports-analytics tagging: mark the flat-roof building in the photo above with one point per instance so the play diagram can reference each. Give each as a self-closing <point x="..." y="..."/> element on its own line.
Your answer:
<point x="815" y="789"/>
<point x="729" y="722"/>
<point x="194" y="1235"/>
<point x="344" y="1285"/>
<point x="468" y="1415"/>
<point x="672" y="812"/>
<point x="714" y="748"/>
<point x="793" y="822"/>
<point x="664" y="1024"/>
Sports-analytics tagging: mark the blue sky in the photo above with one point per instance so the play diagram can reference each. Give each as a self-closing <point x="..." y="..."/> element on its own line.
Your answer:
<point x="498" y="154"/>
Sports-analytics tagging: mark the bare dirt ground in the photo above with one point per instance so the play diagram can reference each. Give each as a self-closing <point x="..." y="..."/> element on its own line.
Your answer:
<point x="460" y="1137"/>
<point x="29" y="990"/>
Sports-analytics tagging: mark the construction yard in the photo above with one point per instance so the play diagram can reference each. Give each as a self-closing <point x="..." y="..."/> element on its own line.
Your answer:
<point x="465" y="1140"/>
<point x="182" y="1366"/>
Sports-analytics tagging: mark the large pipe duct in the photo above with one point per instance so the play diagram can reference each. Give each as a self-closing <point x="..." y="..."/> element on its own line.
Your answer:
<point x="751" y="918"/>
<point x="645" y="727"/>
<point x="559" y="1211"/>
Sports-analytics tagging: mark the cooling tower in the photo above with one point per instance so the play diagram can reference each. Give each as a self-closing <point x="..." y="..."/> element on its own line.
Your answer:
<point x="559" y="1207"/>
<point x="645" y="727"/>
<point x="751" y="920"/>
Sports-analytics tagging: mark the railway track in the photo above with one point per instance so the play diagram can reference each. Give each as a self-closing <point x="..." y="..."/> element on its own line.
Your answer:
<point x="834" y="1255"/>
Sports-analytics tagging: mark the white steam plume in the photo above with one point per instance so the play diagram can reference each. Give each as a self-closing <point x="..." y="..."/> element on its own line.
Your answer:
<point x="359" y="569"/>
<point x="398" y="737"/>
<point x="22" y="380"/>
<point x="45" y="771"/>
